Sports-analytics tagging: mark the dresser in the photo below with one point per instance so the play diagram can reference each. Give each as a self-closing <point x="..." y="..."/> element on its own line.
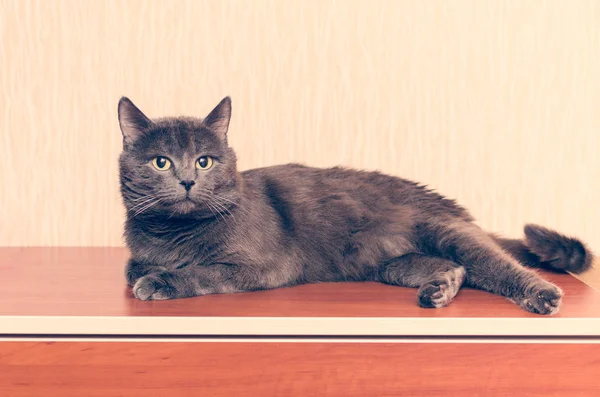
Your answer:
<point x="69" y="326"/>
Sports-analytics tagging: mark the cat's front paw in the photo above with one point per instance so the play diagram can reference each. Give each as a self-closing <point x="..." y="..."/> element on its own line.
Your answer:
<point x="153" y="287"/>
<point x="134" y="270"/>
<point x="543" y="298"/>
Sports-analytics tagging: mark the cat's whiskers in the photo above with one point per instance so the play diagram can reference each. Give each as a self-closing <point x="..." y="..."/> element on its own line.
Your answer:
<point x="147" y="206"/>
<point x="224" y="199"/>
<point x="146" y="200"/>
<point x="218" y="206"/>
<point x="215" y="211"/>
<point x="146" y="196"/>
<point x="221" y="202"/>
<point x="142" y="206"/>
<point x="141" y="203"/>
<point x="224" y="207"/>
<point x="218" y="200"/>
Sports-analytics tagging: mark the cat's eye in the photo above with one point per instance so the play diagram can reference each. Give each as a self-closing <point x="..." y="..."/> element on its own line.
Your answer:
<point x="204" y="163"/>
<point x="161" y="163"/>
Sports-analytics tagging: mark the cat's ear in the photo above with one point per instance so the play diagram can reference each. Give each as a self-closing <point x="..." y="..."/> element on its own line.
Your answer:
<point x="218" y="118"/>
<point x="132" y="121"/>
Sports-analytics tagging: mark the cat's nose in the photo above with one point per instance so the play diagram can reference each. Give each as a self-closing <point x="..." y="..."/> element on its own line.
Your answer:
<point x="187" y="184"/>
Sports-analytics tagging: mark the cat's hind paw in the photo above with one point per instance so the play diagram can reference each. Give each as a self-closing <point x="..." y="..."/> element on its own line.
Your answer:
<point x="440" y="291"/>
<point x="542" y="299"/>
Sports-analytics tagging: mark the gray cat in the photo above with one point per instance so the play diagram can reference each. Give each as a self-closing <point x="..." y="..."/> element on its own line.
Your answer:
<point x="197" y="226"/>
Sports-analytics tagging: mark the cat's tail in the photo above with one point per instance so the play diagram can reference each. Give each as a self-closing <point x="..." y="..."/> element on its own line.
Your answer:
<point x="545" y="248"/>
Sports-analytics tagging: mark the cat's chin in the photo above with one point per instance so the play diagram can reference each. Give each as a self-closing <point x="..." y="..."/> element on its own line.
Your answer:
<point x="184" y="207"/>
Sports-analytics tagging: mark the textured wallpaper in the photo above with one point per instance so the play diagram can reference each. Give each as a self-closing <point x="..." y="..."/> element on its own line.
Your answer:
<point x="495" y="103"/>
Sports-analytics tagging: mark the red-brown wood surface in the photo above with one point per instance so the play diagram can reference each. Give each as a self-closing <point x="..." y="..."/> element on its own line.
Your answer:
<point x="132" y="369"/>
<point x="90" y="282"/>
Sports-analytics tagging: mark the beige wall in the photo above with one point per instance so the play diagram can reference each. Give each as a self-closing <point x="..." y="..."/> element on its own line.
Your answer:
<point x="495" y="103"/>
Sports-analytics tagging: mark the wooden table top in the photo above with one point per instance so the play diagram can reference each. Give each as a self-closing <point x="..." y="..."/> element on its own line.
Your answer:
<point x="89" y="282"/>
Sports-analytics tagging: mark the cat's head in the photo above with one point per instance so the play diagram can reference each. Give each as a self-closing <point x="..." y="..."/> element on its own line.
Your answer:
<point x="178" y="166"/>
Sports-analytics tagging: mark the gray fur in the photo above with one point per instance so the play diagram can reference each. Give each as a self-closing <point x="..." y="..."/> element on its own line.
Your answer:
<point x="292" y="224"/>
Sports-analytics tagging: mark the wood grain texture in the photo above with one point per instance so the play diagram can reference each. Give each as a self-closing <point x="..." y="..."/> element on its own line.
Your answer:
<point x="494" y="103"/>
<point x="90" y="282"/>
<point x="297" y="369"/>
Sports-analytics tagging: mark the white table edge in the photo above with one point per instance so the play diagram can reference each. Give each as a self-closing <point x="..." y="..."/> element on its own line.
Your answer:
<point x="300" y="326"/>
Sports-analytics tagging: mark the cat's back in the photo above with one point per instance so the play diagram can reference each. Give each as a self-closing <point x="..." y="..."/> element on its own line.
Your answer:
<point x="301" y="183"/>
<point x="335" y="179"/>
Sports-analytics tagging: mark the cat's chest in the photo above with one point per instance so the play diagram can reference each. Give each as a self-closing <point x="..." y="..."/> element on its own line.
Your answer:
<point x="174" y="248"/>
